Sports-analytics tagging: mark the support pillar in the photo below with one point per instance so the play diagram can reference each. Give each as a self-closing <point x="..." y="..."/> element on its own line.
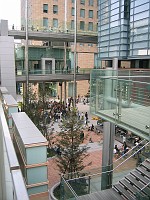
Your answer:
<point x="65" y="92"/>
<point x="137" y="64"/>
<point x="115" y="63"/>
<point x="107" y="155"/>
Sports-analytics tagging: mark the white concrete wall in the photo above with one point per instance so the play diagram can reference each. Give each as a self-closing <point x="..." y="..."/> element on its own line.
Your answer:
<point x="7" y="64"/>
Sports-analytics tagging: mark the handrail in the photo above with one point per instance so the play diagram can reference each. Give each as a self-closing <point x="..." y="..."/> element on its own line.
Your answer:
<point x="73" y="192"/>
<point x="114" y="161"/>
<point x="145" y="186"/>
<point x="110" y="165"/>
<point x="47" y="72"/>
<point x="51" y="30"/>
<point x="130" y="156"/>
<point x="130" y="150"/>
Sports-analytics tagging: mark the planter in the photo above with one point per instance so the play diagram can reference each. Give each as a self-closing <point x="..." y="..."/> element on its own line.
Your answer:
<point x="52" y="191"/>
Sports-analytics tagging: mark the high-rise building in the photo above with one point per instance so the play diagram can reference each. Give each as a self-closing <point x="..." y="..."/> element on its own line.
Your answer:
<point x="59" y="16"/>
<point x="124" y="32"/>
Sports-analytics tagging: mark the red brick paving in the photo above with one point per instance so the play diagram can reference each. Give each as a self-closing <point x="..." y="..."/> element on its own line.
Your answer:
<point x="95" y="158"/>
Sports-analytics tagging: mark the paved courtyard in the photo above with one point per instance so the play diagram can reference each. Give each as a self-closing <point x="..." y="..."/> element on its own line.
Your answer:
<point x="94" y="160"/>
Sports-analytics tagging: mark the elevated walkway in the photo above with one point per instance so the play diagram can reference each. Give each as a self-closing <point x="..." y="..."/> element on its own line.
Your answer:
<point x="48" y="76"/>
<point x="52" y="77"/>
<point x="53" y="36"/>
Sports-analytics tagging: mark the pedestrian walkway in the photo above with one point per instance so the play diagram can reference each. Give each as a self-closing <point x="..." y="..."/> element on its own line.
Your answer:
<point x="93" y="161"/>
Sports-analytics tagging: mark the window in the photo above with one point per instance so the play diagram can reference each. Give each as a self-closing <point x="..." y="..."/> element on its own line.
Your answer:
<point x="45" y="8"/>
<point x="72" y="1"/>
<point x="82" y="25"/>
<point x="82" y="13"/>
<point x="55" y="9"/>
<point x="90" y="2"/>
<point x="45" y="22"/>
<point x="90" y="13"/>
<point x="72" y="11"/>
<point x="72" y="24"/>
<point x="90" y="26"/>
<point x="55" y="23"/>
<point x="82" y="2"/>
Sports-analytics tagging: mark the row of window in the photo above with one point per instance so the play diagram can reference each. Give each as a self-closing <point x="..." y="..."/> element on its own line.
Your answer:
<point x="82" y="11"/>
<point x="82" y="2"/>
<point x="82" y="24"/>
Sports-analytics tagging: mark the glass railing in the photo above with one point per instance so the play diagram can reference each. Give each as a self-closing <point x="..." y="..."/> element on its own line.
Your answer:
<point x="123" y="98"/>
<point x="10" y="174"/>
<point x="46" y="72"/>
<point x="83" y="183"/>
<point x="54" y="29"/>
<point x="67" y="191"/>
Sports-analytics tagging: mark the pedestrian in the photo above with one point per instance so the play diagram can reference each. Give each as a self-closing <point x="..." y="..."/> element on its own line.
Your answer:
<point x="32" y="28"/>
<point x="13" y="27"/>
<point x="82" y="136"/>
<point x="37" y="28"/>
<point x="86" y="118"/>
<point x="92" y="127"/>
<point x="78" y="69"/>
<point x="124" y="148"/>
<point x="82" y="116"/>
<point x="22" y="27"/>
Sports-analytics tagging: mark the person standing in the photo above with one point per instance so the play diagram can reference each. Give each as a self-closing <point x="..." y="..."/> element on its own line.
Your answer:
<point x="86" y="118"/>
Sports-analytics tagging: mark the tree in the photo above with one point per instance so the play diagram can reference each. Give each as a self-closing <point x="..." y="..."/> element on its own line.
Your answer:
<point x="36" y="108"/>
<point x="69" y="140"/>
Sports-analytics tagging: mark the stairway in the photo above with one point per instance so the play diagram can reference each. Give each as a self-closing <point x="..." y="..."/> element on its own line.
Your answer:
<point x="131" y="185"/>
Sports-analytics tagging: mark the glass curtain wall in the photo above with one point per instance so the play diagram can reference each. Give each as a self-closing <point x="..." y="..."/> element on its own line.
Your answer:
<point x="113" y="28"/>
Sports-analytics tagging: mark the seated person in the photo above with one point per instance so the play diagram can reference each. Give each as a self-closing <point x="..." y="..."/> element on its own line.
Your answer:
<point x="116" y="150"/>
<point x="124" y="148"/>
<point x="92" y="127"/>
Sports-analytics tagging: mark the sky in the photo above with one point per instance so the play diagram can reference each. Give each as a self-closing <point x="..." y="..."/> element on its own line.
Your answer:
<point x="10" y="10"/>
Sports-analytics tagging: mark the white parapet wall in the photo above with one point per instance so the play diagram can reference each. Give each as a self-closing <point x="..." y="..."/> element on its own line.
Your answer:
<point x="7" y="59"/>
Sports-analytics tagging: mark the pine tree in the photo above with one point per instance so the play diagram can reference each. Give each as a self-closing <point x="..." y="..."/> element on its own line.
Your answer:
<point x="69" y="140"/>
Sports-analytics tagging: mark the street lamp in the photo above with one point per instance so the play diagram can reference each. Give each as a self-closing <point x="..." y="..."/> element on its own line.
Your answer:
<point x="26" y="47"/>
<point x="75" y="52"/>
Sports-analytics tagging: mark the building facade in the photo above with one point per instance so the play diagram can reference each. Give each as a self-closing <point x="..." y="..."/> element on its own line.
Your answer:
<point x="59" y="16"/>
<point x="124" y="32"/>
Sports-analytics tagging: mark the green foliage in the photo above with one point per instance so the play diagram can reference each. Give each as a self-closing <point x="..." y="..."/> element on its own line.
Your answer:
<point x="35" y="108"/>
<point x="72" y="155"/>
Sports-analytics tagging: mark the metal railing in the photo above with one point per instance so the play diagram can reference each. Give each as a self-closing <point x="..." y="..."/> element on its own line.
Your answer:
<point x="83" y="184"/>
<point x="46" y="72"/>
<point x="141" y="195"/>
<point x="51" y="30"/>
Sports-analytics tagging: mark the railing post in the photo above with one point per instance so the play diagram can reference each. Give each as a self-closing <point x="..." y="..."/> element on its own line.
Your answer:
<point x="89" y="184"/>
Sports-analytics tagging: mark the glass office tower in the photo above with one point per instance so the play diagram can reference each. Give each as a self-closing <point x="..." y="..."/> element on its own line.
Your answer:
<point x="124" y="32"/>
